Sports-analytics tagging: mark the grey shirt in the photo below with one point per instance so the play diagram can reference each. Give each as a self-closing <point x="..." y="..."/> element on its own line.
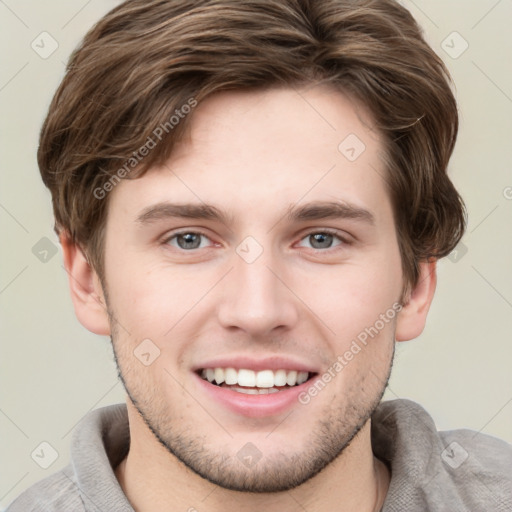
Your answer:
<point x="452" y="471"/>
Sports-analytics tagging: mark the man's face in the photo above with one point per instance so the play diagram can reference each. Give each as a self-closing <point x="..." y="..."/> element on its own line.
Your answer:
<point x="261" y="289"/>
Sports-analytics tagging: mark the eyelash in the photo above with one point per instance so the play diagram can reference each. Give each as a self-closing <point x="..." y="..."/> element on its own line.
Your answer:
<point x="325" y="231"/>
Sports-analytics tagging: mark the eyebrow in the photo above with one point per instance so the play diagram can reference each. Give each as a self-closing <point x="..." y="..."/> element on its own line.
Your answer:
<point x="317" y="210"/>
<point x="165" y="210"/>
<point x="321" y="210"/>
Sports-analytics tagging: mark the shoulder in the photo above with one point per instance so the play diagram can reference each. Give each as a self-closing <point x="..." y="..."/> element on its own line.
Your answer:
<point x="472" y="456"/>
<point x="54" y="493"/>
<point x="100" y="441"/>
<point x="475" y="469"/>
<point x="455" y="470"/>
<point x="483" y="452"/>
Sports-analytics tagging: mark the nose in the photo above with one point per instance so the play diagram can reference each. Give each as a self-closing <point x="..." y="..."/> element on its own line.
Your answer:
<point x="256" y="298"/>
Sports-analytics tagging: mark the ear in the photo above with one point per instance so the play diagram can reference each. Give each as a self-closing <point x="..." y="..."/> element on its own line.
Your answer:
<point x="86" y="290"/>
<point x="412" y="318"/>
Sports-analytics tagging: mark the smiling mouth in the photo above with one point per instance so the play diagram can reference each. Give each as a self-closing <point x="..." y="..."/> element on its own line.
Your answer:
<point x="252" y="382"/>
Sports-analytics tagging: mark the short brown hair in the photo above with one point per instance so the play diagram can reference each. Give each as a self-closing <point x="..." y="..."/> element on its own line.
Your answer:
<point x="141" y="63"/>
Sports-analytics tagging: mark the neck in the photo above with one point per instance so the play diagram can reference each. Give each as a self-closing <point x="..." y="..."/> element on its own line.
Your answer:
<point x="152" y="478"/>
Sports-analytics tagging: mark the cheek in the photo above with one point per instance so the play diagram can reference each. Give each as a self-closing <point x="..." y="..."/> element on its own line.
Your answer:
<point x="148" y="298"/>
<point x="350" y="297"/>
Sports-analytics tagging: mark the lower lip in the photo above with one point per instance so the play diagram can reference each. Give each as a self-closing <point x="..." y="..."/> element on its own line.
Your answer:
<point x="254" y="406"/>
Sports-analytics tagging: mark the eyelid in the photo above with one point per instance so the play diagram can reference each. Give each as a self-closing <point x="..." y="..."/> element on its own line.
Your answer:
<point x="334" y="232"/>
<point x="196" y="231"/>
<point x="342" y="236"/>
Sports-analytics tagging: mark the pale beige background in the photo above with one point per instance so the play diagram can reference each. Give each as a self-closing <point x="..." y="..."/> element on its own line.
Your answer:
<point x="53" y="371"/>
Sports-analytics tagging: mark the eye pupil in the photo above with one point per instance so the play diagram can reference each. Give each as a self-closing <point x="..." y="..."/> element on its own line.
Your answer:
<point x="324" y="239"/>
<point x="189" y="240"/>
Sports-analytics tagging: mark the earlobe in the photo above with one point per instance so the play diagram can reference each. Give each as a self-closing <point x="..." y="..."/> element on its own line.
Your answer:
<point x="412" y="318"/>
<point x="85" y="287"/>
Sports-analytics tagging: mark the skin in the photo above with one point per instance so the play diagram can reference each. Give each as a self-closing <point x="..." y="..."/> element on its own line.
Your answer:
<point x="252" y="155"/>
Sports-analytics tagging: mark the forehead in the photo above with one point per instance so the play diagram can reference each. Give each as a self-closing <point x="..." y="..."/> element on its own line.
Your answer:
<point x="248" y="151"/>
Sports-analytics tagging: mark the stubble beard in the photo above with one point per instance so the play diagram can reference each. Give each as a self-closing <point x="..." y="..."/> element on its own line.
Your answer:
<point x="337" y="425"/>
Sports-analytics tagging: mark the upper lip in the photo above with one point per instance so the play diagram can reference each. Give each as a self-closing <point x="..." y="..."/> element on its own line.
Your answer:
<point x="250" y="363"/>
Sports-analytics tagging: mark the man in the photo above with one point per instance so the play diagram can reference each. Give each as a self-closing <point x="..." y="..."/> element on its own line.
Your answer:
<point x="251" y="198"/>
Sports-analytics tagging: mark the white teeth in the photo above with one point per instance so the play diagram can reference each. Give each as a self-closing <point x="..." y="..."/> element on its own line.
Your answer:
<point x="246" y="378"/>
<point x="231" y="376"/>
<point x="302" y="377"/>
<point x="291" y="378"/>
<point x="219" y="375"/>
<point x="264" y="379"/>
<point x="280" y="378"/>
<point x="254" y="391"/>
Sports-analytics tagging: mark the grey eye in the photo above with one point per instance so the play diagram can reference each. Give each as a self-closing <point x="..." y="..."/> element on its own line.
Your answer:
<point x="321" y="240"/>
<point x="188" y="240"/>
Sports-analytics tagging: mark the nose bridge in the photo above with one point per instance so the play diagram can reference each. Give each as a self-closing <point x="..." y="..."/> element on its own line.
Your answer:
<point x="255" y="299"/>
